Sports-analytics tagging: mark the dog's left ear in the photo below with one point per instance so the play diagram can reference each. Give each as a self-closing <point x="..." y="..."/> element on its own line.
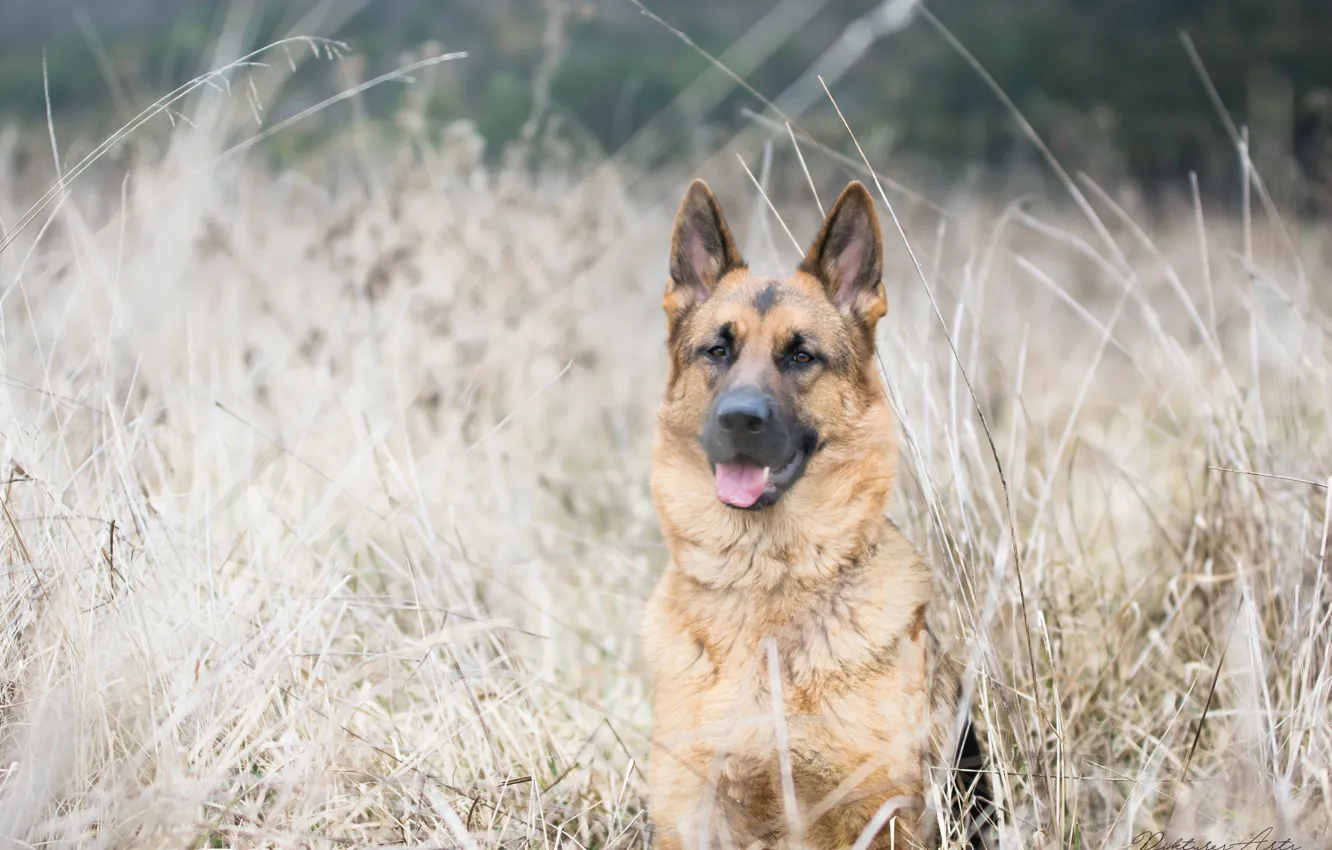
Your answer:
<point x="847" y="256"/>
<point x="702" y="251"/>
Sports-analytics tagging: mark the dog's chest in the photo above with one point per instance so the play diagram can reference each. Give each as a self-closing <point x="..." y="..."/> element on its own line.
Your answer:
<point x="835" y="676"/>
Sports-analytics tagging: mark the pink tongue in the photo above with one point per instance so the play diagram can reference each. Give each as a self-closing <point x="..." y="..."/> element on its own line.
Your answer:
<point x="739" y="484"/>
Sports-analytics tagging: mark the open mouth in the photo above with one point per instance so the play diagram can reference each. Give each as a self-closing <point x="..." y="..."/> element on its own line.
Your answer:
<point x="742" y="483"/>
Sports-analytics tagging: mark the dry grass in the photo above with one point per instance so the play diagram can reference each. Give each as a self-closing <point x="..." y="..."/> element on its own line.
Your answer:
<point x="326" y="518"/>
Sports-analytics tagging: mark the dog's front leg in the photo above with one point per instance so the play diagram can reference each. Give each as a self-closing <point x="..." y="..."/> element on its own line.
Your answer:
<point x="709" y="800"/>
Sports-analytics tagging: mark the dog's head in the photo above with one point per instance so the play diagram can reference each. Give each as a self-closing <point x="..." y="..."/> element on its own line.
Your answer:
<point x="768" y="376"/>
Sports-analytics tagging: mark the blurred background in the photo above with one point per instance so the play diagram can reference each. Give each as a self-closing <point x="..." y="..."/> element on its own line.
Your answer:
<point x="327" y="392"/>
<point x="1111" y="85"/>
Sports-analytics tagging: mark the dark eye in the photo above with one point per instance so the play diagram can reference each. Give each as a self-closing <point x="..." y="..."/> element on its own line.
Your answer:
<point x="717" y="352"/>
<point x="802" y="357"/>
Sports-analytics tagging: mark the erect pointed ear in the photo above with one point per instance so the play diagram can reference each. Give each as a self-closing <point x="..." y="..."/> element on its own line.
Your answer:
<point x="702" y="250"/>
<point x="847" y="256"/>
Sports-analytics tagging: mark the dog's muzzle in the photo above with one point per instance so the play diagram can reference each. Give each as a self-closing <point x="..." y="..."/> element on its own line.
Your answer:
<point x="756" y="453"/>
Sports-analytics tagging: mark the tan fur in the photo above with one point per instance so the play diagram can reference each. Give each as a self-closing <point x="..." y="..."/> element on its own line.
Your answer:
<point x="822" y="574"/>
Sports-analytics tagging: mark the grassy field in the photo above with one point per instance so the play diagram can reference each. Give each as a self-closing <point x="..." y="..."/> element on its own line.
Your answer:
<point x="326" y="519"/>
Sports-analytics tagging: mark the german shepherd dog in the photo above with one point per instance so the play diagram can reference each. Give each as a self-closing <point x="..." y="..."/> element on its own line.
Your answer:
<point x="799" y="696"/>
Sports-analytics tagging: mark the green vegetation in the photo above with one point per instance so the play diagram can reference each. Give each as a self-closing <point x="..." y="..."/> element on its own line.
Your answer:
<point x="1109" y="84"/>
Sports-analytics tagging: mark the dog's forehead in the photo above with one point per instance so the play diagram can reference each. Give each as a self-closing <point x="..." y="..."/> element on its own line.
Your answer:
<point x="778" y="298"/>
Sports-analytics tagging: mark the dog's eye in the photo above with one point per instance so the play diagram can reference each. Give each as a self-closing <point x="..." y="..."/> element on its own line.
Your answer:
<point x="717" y="352"/>
<point x="802" y="357"/>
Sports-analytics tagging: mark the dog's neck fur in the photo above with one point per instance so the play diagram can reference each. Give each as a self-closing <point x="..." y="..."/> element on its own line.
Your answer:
<point x="799" y="544"/>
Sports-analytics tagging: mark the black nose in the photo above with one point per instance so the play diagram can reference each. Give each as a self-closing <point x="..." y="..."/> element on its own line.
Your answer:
<point x="743" y="410"/>
<point x="745" y="422"/>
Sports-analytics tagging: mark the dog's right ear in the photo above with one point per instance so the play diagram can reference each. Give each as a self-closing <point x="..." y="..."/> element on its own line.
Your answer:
<point x="702" y="251"/>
